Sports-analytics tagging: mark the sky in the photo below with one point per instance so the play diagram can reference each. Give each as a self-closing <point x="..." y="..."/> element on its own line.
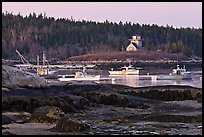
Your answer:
<point x="176" y="14"/>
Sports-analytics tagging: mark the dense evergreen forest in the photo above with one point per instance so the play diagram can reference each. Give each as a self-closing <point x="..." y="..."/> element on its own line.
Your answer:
<point x="62" y="38"/>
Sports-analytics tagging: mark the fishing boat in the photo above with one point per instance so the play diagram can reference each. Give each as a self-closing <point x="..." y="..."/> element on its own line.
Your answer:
<point x="42" y="70"/>
<point x="80" y="76"/>
<point x="126" y="70"/>
<point x="45" y="71"/>
<point x="177" y="74"/>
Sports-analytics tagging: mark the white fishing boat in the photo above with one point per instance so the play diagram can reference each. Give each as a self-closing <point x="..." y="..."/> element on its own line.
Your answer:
<point x="126" y="70"/>
<point x="80" y="76"/>
<point x="177" y="74"/>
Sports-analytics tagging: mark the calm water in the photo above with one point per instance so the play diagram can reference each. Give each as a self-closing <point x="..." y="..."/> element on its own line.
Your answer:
<point x="143" y="79"/>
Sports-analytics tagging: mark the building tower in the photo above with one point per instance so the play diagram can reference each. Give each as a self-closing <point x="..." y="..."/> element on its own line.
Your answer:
<point x="135" y="41"/>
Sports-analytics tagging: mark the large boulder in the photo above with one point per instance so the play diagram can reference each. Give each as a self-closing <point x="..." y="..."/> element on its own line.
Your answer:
<point x="46" y="114"/>
<point x="67" y="124"/>
<point x="14" y="77"/>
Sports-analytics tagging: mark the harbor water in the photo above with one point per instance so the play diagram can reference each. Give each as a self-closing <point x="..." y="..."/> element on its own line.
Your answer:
<point x="147" y="77"/>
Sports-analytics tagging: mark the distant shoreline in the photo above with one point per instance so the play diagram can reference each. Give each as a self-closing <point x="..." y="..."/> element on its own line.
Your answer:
<point x="143" y="65"/>
<point x="109" y="64"/>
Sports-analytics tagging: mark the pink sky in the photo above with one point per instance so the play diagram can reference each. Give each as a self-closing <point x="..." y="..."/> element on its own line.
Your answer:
<point x="177" y="14"/>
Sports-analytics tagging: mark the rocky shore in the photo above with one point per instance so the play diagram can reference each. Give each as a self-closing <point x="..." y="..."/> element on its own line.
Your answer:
<point x="88" y="108"/>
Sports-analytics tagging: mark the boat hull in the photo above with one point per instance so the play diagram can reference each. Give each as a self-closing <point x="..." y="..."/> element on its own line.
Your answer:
<point x="174" y="77"/>
<point x="50" y="75"/>
<point x="124" y="72"/>
<point x="89" y="78"/>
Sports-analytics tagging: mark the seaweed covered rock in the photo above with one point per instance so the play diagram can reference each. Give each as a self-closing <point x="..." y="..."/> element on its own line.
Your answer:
<point x="105" y="98"/>
<point x="46" y="114"/>
<point x="164" y="92"/>
<point x="28" y="100"/>
<point x="67" y="124"/>
<point x="16" y="103"/>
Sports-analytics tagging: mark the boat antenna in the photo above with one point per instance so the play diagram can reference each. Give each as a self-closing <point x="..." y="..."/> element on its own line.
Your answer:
<point x="129" y="61"/>
<point x="177" y="64"/>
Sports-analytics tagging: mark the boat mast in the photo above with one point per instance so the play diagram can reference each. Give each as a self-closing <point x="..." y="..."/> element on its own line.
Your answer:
<point x="44" y="59"/>
<point x="38" y="60"/>
<point x="45" y="67"/>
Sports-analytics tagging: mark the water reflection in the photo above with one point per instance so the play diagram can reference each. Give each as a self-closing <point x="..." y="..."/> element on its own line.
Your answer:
<point x="125" y="79"/>
<point x="150" y="80"/>
<point x="146" y="78"/>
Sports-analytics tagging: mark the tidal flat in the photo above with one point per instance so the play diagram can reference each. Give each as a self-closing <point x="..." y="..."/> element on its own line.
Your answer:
<point x="88" y="108"/>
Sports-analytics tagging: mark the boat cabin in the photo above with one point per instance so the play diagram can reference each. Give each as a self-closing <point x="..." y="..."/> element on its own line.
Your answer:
<point x="179" y="71"/>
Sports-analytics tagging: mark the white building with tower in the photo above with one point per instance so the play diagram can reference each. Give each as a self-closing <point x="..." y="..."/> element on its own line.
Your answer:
<point x="135" y="43"/>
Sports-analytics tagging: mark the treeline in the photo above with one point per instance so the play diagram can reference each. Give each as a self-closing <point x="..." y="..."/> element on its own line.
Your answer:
<point x="62" y="38"/>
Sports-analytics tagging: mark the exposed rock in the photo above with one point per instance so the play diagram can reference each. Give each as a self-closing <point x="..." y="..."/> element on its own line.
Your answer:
<point x="110" y="109"/>
<point x="29" y="102"/>
<point x="102" y="94"/>
<point x="6" y="120"/>
<point x="174" y="118"/>
<point x="18" y="117"/>
<point x="165" y="93"/>
<point x="73" y="98"/>
<point x="105" y="98"/>
<point x="7" y="133"/>
<point x="13" y="77"/>
<point x="66" y="124"/>
<point x="46" y="114"/>
<point x="5" y="89"/>
<point x="66" y="103"/>
<point x="16" y="103"/>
